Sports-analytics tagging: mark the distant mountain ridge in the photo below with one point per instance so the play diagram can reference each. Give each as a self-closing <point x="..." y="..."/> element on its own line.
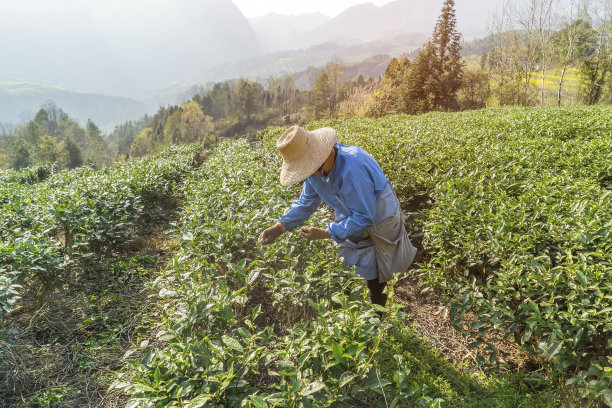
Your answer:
<point x="286" y="29"/>
<point x="98" y="50"/>
<point x="290" y="62"/>
<point x="19" y="101"/>
<point x="367" y="22"/>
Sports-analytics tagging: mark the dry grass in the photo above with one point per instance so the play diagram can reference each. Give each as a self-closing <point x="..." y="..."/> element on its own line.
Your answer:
<point x="429" y="316"/>
<point x="74" y="338"/>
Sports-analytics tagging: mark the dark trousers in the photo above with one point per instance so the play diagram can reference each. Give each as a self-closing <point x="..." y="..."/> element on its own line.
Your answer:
<point x="376" y="291"/>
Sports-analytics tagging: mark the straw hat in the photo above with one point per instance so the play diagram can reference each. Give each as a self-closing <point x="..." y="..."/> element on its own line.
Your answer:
<point x="303" y="152"/>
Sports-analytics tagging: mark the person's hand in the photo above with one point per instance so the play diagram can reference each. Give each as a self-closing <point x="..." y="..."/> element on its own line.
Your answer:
<point x="313" y="233"/>
<point x="269" y="235"/>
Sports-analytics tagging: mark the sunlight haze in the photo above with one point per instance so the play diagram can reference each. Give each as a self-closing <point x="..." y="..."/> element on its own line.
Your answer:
<point x="252" y="8"/>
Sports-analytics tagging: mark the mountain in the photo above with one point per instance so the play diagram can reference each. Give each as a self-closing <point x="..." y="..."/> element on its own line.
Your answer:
<point x="20" y="101"/>
<point x="368" y="23"/>
<point x="371" y="67"/>
<point x="278" y="32"/>
<point x="116" y="47"/>
<point x="289" y="62"/>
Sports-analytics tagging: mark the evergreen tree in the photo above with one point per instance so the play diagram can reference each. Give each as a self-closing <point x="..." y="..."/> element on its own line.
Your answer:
<point x="248" y="96"/>
<point x="319" y="96"/>
<point x="96" y="149"/>
<point x="75" y="157"/>
<point x="20" y="154"/>
<point x="420" y="84"/>
<point x="435" y="75"/>
<point x="42" y="118"/>
<point x="388" y="98"/>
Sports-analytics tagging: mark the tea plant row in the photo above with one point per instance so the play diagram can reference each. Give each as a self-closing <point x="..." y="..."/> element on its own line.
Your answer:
<point x="28" y="175"/>
<point x="50" y="228"/>
<point x="252" y="326"/>
<point x="515" y="206"/>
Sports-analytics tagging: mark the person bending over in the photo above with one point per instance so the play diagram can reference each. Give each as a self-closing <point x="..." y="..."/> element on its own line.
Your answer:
<point x="368" y="222"/>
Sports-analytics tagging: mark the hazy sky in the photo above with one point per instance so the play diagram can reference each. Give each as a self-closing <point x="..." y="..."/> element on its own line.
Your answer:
<point x="253" y="8"/>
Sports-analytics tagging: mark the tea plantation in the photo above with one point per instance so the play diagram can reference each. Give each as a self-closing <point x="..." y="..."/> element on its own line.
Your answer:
<point x="511" y="210"/>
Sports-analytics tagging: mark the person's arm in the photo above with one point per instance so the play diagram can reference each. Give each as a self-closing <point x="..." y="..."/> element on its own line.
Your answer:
<point x="358" y="197"/>
<point x="302" y="209"/>
<point x="299" y="212"/>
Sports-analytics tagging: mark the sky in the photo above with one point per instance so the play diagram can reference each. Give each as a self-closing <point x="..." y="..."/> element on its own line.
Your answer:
<point x="330" y="8"/>
<point x="19" y="12"/>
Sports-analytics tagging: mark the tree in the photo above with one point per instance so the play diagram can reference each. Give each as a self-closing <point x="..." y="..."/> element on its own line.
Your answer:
<point x="32" y="132"/>
<point x="388" y="97"/>
<point x="172" y="131"/>
<point x="52" y="151"/>
<point x="217" y="102"/>
<point x="319" y="96"/>
<point x="96" y="151"/>
<point x="194" y="124"/>
<point x="448" y="64"/>
<point x="542" y="12"/>
<point x="281" y="91"/>
<point x="248" y="97"/>
<point x="570" y="43"/>
<point x="68" y="128"/>
<point x="49" y="117"/>
<point x="142" y="143"/>
<point x="20" y="154"/>
<point x="42" y="118"/>
<point x="474" y="90"/>
<point x="333" y="69"/>
<point x="74" y="156"/>
<point x="435" y="75"/>
<point x="598" y="60"/>
<point x="420" y="83"/>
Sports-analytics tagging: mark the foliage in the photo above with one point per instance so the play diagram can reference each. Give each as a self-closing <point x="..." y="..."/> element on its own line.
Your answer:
<point x="475" y="89"/>
<point x="435" y="75"/>
<point x="53" y="137"/>
<point x="596" y="64"/>
<point x="319" y="97"/>
<point x="246" y="325"/>
<point x="253" y="326"/>
<point x="515" y="209"/>
<point x="51" y="227"/>
<point x="48" y="398"/>
<point x="388" y="98"/>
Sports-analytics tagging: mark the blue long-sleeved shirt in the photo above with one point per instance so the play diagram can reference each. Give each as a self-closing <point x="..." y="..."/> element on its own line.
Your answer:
<point x="352" y="188"/>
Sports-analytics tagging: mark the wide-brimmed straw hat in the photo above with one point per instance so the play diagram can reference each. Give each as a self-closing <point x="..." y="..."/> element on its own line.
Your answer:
<point x="303" y="152"/>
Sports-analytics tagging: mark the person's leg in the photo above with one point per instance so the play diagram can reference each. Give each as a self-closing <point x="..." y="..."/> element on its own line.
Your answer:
<point x="376" y="292"/>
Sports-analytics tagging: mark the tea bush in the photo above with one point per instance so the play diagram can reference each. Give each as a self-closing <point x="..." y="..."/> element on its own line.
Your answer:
<point x="254" y="326"/>
<point x="48" y="228"/>
<point x="516" y="211"/>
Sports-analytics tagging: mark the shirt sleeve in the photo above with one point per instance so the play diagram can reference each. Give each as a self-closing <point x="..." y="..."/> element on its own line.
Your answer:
<point x="301" y="209"/>
<point x="358" y="197"/>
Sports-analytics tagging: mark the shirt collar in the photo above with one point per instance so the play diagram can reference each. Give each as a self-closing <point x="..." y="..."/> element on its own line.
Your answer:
<point x="331" y="175"/>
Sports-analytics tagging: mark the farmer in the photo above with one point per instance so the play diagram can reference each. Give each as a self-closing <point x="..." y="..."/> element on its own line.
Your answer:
<point x="369" y="224"/>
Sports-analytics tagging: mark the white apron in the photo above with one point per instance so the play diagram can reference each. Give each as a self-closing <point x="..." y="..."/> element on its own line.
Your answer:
<point x="388" y="249"/>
